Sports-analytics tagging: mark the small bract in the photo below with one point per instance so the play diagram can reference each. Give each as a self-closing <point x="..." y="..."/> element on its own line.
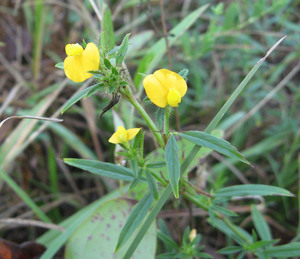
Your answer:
<point x="80" y="61"/>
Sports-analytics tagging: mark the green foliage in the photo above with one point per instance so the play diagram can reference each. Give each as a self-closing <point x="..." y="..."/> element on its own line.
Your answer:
<point x="252" y="189"/>
<point x="98" y="235"/>
<point x="214" y="54"/>
<point x="204" y="139"/>
<point x="134" y="220"/>
<point x="102" y="168"/>
<point x="173" y="165"/>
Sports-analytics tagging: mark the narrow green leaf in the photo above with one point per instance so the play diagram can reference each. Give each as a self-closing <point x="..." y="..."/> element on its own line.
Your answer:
<point x="241" y="236"/>
<point x="107" y="63"/>
<point x="288" y="250"/>
<point x="184" y="73"/>
<point x="157" y="164"/>
<point x="173" y="164"/>
<point x="122" y="50"/>
<point x="79" y="96"/>
<point x="230" y="250"/>
<point x="168" y="241"/>
<point x="102" y="168"/>
<point x="148" y="221"/>
<point x="252" y="189"/>
<point x="260" y="224"/>
<point x="239" y="89"/>
<point x="259" y="244"/>
<point x="134" y="167"/>
<point x="135" y="218"/>
<point x="209" y="141"/>
<point x="152" y="184"/>
<point x="224" y="211"/>
<point x="108" y="39"/>
<point x="60" y="65"/>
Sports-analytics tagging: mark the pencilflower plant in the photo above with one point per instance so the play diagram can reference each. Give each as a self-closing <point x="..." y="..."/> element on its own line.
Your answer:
<point x="165" y="89"/>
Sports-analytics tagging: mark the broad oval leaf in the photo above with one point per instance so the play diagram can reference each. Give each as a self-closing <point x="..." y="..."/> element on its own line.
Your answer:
<point x="97" y="236"/>
<point x="252" y="189"/>
<point x="207" y="140"/>
<point x="173" y="164"/>
<point x="102" y="168"/>
<point x="135" y="218"/>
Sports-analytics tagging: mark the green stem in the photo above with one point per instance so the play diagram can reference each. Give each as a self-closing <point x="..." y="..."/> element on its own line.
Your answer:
<point x="167" y="122"/>
<point x="144" y="114"/>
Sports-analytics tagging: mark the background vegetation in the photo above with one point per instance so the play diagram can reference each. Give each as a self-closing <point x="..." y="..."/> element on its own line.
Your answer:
<point x="219" y="49"/>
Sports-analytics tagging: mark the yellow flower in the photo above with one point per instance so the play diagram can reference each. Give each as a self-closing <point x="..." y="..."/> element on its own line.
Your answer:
<point x="165" y="87"/>
<point x="192" y="234"/>
<point x="122" y="135"/>
<point x="79" y="61"/>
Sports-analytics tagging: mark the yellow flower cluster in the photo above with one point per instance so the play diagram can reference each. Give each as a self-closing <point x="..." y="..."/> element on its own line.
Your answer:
<point x="80" y="61"/>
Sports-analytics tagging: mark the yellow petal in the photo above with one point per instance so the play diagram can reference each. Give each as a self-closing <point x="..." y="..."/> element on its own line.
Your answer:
<point x="73" y="49"/>
<point x="119" y="136"/>
<point x="131" y="133"/>
<point x="170" y="79"/>
<point x="76" y="67"/>
<point x="115" y="139"/>
<point x="174" y="98"/>
<point x="74" y="70"/>
<point x="91" y="57"/>
<point x="155" y="91"/>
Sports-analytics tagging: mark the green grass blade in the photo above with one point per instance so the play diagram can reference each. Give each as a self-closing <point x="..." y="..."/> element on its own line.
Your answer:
<point x="23" y="195"/>
<point x="151" y="217"/>
<point x="213" y="124"/>
<point x="72" y="140"/>
<point x="135" y="218"/>
<point x="61" y="239"/>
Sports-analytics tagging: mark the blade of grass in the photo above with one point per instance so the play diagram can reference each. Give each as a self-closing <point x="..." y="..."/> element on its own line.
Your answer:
<point x="39" y="15"/>
<point x="152" y="216"/>
<point x="23" y="195"/>
<point x="213" y="124"/>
